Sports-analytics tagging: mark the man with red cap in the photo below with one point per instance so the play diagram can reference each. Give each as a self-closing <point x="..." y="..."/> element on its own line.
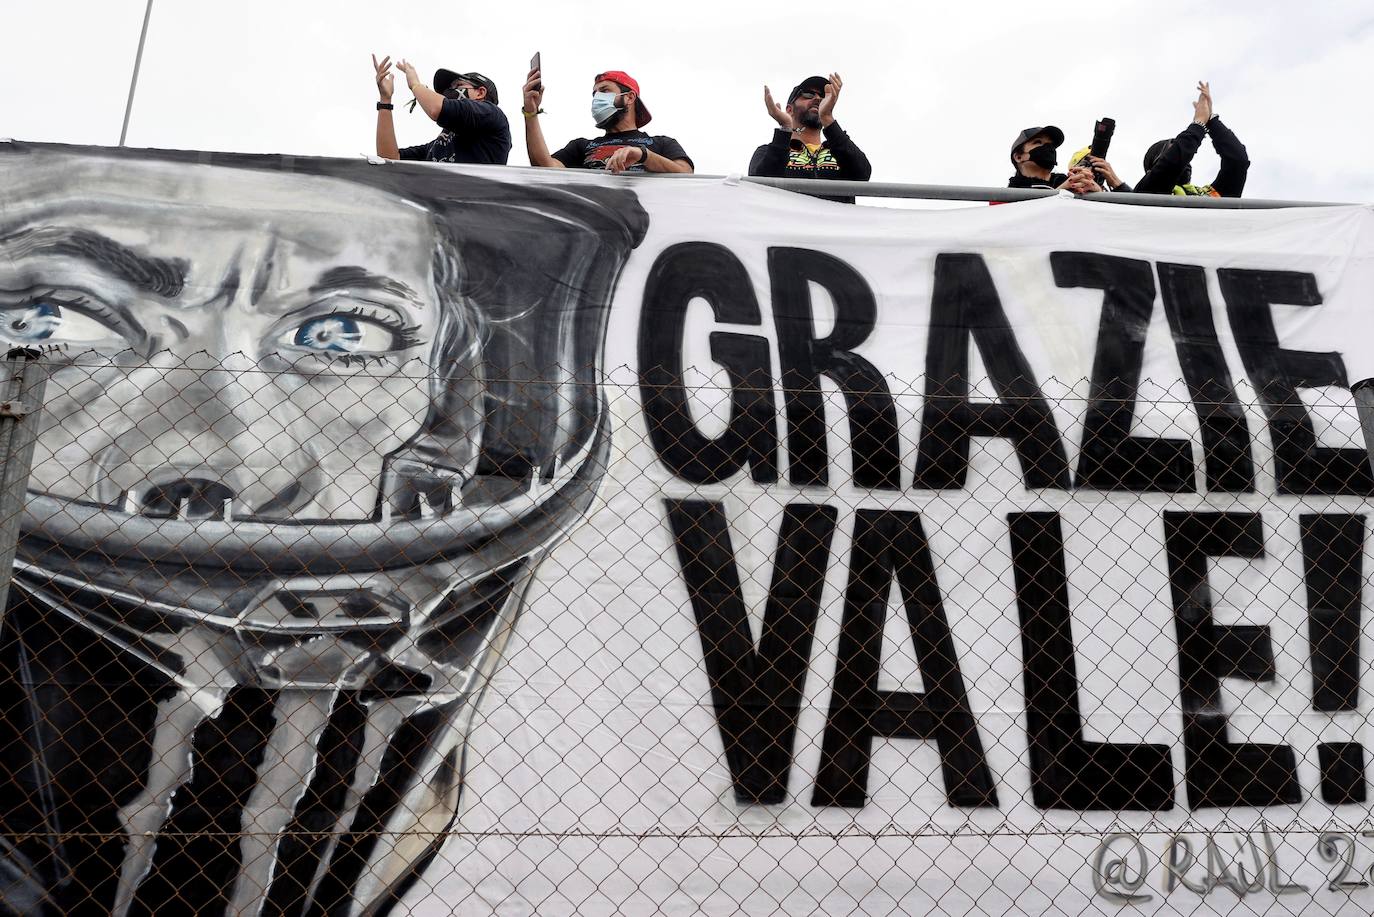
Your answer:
<point x="619" y="111"/>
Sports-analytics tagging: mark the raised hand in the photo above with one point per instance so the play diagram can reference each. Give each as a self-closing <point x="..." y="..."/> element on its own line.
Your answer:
<point x="776" y="111"/>
<point x="412" y="78"/>
<point x="832" y="95"/>
<point x="385" y="80"/>
<point x="1202" y="108"/>
<point x="533" y="91"/>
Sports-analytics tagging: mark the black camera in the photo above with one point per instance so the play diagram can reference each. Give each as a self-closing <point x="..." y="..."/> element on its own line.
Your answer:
<point x="1102" y="137"/>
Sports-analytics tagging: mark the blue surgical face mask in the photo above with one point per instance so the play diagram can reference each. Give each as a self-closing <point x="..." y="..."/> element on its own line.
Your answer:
<point x="603" y="107"/>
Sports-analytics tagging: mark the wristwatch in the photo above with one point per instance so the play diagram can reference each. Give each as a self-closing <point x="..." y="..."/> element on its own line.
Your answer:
<point x="385" y="106"/>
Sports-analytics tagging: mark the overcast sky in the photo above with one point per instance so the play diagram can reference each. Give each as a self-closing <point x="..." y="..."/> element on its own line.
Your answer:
<point x="934" y="92"/>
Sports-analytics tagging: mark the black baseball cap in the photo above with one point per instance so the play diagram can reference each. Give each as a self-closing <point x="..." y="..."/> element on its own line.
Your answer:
<point x="443" y="79"/>
<point x="814" y="83"/>
<point x="1055" y="134"/>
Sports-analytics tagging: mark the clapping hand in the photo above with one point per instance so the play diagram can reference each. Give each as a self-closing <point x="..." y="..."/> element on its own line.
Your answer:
<point x="385" y="79"/>
<point x="1202" y="108"/>
<point x="776" y="111"/>
<point x="832" y="95"/>
<point x="412" y="78"/>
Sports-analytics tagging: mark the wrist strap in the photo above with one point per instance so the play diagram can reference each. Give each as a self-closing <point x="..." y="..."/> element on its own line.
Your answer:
<point x="385" y="106"/>
<point x="531" y="114"/>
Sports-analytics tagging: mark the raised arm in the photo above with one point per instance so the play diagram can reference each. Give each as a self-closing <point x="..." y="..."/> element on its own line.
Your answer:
<point x="386" y="127"/>
<point x="1235" y="161"/>
<point x="770" y="160"/>
<point x="535" y="144"/>
<point x="431" y="101"/>
<point x="854" y="165"/>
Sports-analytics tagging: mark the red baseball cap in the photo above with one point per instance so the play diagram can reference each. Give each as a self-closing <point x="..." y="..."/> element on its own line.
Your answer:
<point x="642" y="115"/>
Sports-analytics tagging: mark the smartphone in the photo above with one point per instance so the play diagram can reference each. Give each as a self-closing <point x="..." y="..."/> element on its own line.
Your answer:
<point x="535" y="64"/>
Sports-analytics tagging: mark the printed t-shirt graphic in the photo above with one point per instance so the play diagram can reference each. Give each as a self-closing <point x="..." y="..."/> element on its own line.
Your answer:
<point x="592" y="154"/>
<point x="803" y="157"/>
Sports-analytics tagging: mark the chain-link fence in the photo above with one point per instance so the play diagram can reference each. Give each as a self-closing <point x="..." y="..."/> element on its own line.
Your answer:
<point x="335" y="636"/>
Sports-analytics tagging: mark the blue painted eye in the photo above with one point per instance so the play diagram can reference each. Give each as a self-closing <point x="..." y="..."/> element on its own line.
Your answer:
<point x="53" y="321"/>
<point x="344" y="333"/>
<point x="30" y="324"/>
<point x="337" y="333"/>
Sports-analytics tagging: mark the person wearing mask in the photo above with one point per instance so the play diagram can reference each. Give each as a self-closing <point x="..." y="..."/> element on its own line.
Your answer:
<point x="809" y="142"/>
<point x="1169" y="163"/>
<point x="1035" y="153"/>
<point x="619" y="111"/>
<point x="464" y="105"/>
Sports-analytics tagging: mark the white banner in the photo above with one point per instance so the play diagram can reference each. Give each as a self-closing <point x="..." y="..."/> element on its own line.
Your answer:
<point x="1172" y="475"/>
<point x="532" y="542"/>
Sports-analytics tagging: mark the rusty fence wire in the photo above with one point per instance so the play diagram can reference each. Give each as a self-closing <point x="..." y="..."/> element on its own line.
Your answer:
<point x="341" y="636"/>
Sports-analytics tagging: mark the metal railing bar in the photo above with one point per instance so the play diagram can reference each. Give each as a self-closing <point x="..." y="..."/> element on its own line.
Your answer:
<point x="1006" y="195"/>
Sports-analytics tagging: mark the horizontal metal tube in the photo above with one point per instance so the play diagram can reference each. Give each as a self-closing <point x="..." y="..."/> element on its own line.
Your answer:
<point x="973" y="193"/>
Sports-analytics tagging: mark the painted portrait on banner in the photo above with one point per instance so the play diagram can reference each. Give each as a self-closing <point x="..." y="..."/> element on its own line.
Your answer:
<point x="309" y="428"/>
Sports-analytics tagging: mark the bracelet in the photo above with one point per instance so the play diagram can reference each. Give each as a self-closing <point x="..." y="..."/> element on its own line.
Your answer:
<point x="531" y="114"/>
<point x="385" y="106"/>
<point x="644" y="160"/>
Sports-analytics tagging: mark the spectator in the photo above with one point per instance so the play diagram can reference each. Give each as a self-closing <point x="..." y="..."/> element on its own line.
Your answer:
<point x="1034" y="154"/>
<point x="474" y="129"/>
<point x="619" y="111"/>
<point x="1169" y="163"/>
<point x="809" y="142"/>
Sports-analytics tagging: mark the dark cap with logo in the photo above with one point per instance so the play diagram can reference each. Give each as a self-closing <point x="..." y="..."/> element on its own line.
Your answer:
<point x="443" y="79"/>
<point x="816" y="84"/>
<point x="1055" y="134"/>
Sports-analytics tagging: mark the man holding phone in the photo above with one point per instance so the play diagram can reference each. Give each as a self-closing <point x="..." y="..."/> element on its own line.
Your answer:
<point x="464" y="105"/>
<point x="619" y="112"/>
<point x="809" y="142"/>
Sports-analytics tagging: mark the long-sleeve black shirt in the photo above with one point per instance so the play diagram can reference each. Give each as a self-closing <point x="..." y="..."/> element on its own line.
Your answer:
<point x="1168" y="168"/>
<point x="837" y="158"/>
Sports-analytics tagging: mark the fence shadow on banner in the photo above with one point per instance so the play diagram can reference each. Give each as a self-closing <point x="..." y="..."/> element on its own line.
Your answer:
<point x="301" y="637"/>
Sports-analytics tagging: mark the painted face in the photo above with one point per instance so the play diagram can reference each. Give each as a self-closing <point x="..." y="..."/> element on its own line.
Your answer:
<point x="233" y="355"/>
<point x="241" y="353"/>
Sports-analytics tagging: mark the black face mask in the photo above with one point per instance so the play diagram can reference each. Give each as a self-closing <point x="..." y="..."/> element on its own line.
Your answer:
<point x="457" y="92"/>
<point x="1044" y="156"/>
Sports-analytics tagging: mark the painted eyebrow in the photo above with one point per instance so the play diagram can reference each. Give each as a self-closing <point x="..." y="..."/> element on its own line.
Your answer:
<point x="164" y="277"/>
<point x="357" y="278"/>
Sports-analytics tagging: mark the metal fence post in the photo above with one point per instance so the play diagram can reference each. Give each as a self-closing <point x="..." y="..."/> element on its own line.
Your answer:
<point x="1364" y="406"/>
<point x="21" y="403"/>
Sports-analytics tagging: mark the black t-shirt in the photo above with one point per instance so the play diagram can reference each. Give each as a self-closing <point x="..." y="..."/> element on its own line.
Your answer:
<point x="474" y="132"/>
<point x="592" y="154"/>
